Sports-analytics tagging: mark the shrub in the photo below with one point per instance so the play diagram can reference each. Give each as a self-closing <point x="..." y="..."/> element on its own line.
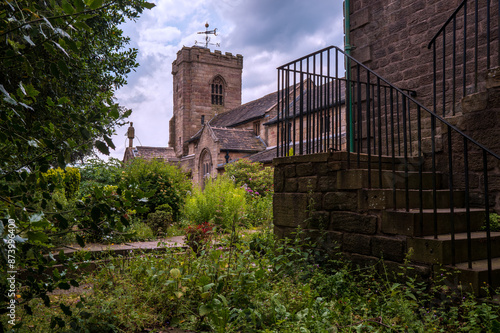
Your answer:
<point x="96" y="172"/>
<point x="257" y="179"/>
<point x="494" y="222"/>
<point x="260" y="210"/>
<point x="66" y="181"/>
<point x="159" y="222"/>
<point x="165" y="183"/>
<point x="221" y="203"/>
<point x="165" y="207"/>
<point x="140" y="230"/>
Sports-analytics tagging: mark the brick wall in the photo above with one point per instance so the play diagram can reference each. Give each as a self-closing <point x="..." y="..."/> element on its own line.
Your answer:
<point x="391" y="37"/>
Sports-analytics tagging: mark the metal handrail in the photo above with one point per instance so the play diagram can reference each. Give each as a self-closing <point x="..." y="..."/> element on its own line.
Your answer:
<point x="401" y="91"/>
<point x="379" y="123"/>
<point x="453" y="51"/>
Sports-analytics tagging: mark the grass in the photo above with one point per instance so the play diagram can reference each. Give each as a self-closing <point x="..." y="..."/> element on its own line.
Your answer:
<point x="255" y="283"/>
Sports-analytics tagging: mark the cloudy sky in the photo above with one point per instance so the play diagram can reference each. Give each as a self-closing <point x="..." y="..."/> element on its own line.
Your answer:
<point x="268" y="33"/>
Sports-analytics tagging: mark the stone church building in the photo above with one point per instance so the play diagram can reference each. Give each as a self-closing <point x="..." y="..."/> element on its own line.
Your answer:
<point x="210" y="127"/>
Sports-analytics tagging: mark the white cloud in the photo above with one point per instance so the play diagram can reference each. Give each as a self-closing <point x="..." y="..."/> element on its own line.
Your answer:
<point x="156" y="40"/>
<point x="267" y="34"/>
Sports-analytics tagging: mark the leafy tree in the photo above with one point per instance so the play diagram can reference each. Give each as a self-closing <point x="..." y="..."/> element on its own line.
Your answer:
<point x="61" y="62"/>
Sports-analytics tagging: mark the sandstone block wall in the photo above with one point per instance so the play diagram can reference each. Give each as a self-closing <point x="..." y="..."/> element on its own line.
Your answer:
<point x="309" y="194"/>
<point x="391" y="38"/>
<point x="193" y="71"/>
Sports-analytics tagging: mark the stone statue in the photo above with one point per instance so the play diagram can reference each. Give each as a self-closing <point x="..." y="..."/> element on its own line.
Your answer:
<point x="131" y="135"/>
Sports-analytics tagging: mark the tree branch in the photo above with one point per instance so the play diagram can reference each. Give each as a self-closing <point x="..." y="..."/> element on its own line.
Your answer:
<point x="90" y="11"/>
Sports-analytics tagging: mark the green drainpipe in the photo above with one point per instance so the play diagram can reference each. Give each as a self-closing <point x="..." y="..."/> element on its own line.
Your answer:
<point x="347" y="42"/>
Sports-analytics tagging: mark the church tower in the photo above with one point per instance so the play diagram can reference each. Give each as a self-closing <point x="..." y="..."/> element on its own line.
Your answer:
<point x="205" y="84"/>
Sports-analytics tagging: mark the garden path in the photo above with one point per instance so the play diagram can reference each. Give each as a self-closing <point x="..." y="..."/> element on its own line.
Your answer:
<point x="124" y="248"/>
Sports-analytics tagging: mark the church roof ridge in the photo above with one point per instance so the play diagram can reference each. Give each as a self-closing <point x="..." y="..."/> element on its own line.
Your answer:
<point x="231" y="129"/>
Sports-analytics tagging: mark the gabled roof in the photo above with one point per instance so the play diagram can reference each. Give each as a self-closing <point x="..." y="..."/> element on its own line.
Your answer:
<point x="314" y="99"/>
<point x="247" y="112"/>
<point x="151" y="153"/>
<point x="265" y="156"/>
<point x="240" y="140"/>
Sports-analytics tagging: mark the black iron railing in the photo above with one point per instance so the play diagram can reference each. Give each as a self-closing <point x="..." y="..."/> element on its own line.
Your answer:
<point x="463" y="49"/>
<point x="373" y="119"/>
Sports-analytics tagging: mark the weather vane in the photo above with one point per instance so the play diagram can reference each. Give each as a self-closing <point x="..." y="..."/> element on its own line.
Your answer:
<point x="207" y="38"/>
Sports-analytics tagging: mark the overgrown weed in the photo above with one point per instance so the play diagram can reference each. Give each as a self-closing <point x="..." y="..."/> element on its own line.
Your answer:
<point x="257" y="283"/>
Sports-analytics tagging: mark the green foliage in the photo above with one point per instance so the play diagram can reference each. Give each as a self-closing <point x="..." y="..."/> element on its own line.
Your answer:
<point x="61" y="62"/>
<point x="260" y="210"/>
<point x="60" y="67"/>
<point x="220" y="203"/>
<point x="256" y="179"/>
<point x="165" y="207"/>
<point x="97" y="172"/>
<point x="166" y="183"/>
<point x="72" y="180"/>
<point x="278" y="288"/>
<point x="494" y="222"/>
<point x="67" y="180"/>
<point x="159" y="222"/>
<point x="140" y="230"/>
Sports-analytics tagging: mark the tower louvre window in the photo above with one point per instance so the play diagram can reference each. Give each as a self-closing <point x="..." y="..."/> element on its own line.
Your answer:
<point x="218" y="91"/>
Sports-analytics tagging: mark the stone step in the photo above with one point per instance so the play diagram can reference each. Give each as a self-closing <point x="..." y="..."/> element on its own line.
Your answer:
<point x="361" y="161"/>
<point x="354" y="179"/>
<point x="401" y="222"/>
<point x="438" y="251"/>
<point x="381" y="199"/>
<point x="475" y="279"/>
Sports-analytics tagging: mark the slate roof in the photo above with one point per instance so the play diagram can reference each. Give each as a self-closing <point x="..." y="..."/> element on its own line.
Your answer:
<point x="314" y="95"/>
<point x="233" y="139"/>
<point x="150" y="153"/>
<point x="247" y="112"/>
<point x="265" y="156"/>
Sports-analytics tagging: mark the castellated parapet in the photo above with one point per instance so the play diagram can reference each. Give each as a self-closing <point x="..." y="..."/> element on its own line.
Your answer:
<point x="199" y="54"/>
<point x="194" y="73"/>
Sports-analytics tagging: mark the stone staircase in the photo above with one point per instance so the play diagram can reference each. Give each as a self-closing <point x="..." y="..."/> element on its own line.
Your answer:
<point x="417" y="222"/>
<point x="364" y="213"/>
<point x="373" y="206"/>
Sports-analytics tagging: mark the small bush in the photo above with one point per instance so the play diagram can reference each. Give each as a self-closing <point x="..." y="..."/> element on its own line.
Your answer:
<point x="165" y="183"/>
<point x="141" y="231"/>
<point x="494" y="222"/>
<point x="65" y="181"/>
<point x="260" y="211"/>
<point x="159" y="222"/>
<point x="221" y="203"/>
<point x="96" y="172"/>
<point x="253" y="176"/>
<point x="198" y="236"/>
<point x="165" y="208"/>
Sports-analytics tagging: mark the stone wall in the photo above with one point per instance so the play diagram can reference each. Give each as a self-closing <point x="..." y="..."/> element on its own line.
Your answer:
<point x="391" y="38"/>
<point x="310" y="193"/>
<point x="480" y="120"/>
<point x="193" y="71"/>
